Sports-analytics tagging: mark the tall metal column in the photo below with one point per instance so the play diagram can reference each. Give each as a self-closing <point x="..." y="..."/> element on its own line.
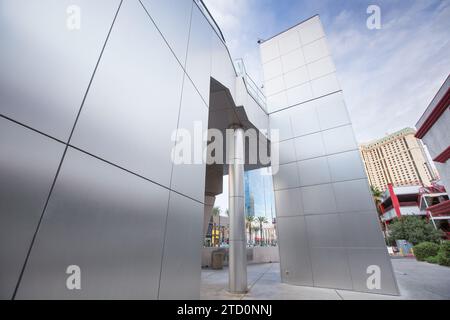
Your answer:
<point x="238" y="250"/>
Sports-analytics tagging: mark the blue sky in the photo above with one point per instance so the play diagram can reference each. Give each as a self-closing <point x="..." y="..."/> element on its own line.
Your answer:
<point x="388" y="76"/>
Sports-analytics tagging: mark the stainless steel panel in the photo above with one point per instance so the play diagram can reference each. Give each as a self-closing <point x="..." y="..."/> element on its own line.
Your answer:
<point x="325" y="85"/>
<point x="292" y="60"/>
<point x="361" y="229"/>
<point x="172" y="17"/>
<point x="311" y="30"/>
<point x="288" y="41"/>
<point x="189" y="178"/>
<point x="346" y="166"/>
<point x="269" y="50"/>
<point x="310" y="146"/>
<point x="287" y="151"/>
<point x="288" y="202"/>
<point x="361" y="259"/>
<point x="108" y="222"/>
<point x="304" y="119"/>
<point x="221" y="65"/>
<point x="181" y="268"/>
<point x="295" y="262"/>
<point x="281" y="121"/>
<point x="132" y="106"/>
<point x="237" y="204"/>
<point x="321" y="67"/>
<point x="314" y="171"/>
<point x="28" y="164"/>
<point x="318" y="199"/>
<point x="324" y="230"/>
<point x="332" y="111"/>
<point x="286" y="177"/>
<point x="272" y="69"/>
<point x="331" y="268"/>
<point x="339" y="139"/>
<point x="46" y="66"/>
<point x="237" y="270"/>
<point x="299" y="94"/>
<point x="353" y="195"/>
<point x="198" y="63"/>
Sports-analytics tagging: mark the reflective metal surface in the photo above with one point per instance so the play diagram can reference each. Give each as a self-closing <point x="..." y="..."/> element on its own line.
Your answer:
<point x="180" y="273"/>
<point x="173" y="18"/>
<point x="108" y="222"/>
<point x="237" y="269"/>
<point x="28" y="164"/>
<point x="198" y="63"/>
<point x="132" y="106"/>
<point x="326" y="219"/>
<point x="189" y="178"/>
<point x="294" y="251"/>
<point x="47" y="62"/>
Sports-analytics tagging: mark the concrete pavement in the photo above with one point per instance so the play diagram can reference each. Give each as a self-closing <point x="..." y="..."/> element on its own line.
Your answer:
<point x="416" y="280"/>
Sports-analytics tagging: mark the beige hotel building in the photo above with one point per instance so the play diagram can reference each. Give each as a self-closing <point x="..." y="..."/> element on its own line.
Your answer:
<point x="398" y="158"/>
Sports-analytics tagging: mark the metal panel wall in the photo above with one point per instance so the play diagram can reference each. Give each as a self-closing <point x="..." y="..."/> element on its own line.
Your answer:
<point x="321" y="181"/>
<point x="28" y="164"/>
<point x="180" y="273"/>
<point x="105" y="213"/>
<point x="133" y="103"/>
<point x="108" y="222"/>
<point x="46" y="64"/>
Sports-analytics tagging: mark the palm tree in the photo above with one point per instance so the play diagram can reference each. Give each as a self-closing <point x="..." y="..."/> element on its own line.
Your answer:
<point x="261" y="220"/>
<point x="248" y="221"/>
<point x="377" y="198"/>
<point x="376" y="194"/>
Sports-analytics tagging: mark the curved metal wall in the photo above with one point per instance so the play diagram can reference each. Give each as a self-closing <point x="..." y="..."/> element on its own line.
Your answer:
<point x="86" y="117"/>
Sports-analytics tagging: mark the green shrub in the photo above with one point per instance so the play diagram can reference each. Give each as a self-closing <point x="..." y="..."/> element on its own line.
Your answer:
<point x="425" y="250"/>
<point x="413" y="229"/>
<point x="433" y="259"/>
<point x="443" y="256"/>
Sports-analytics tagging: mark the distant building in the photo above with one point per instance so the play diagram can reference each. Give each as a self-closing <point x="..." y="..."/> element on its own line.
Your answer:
<point x="410" y="200"/>
<point x="399" y="159"/>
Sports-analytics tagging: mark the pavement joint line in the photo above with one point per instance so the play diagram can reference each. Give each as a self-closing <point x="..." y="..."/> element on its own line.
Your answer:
<point x="254" y="282"/>
<point x="339" y="295"/>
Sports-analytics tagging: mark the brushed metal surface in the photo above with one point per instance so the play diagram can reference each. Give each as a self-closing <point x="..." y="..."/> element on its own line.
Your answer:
<point x="132" y="106"/>
<point x="28" y="164"/>
<point x="188" y="178"/>
<point x="173" y="18"/>
<point x="237" y="268"/>
<point x="198" y="63"/>
<point x="108" y="222"/>
<point x="46" y="66"/>
<point x="181" y="267"/>
<point x="294" y="251"/>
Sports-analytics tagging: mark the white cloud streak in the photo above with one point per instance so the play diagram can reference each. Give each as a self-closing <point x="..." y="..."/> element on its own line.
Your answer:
<point x="388" y="76"/>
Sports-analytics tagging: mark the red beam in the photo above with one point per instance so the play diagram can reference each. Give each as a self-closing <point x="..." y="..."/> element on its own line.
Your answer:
<point x="394" y="199"/>
<point x="434" y="115"/>
<point x="443" y="156"/>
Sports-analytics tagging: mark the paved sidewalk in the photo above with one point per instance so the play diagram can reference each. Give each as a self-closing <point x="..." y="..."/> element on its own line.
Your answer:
<point x="416" y="280"/>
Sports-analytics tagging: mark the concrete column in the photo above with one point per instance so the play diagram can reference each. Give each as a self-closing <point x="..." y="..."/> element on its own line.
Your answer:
<point x="238" y="250"/>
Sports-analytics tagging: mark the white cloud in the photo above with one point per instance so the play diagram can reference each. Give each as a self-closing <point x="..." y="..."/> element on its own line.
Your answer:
<point x="388" y="76"/>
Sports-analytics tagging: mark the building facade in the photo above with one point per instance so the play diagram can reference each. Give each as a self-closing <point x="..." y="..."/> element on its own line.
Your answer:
<point x="398" y="159"/>
<point x="327" y="223"/>
<point x="433" y="128"/>
<point x="88" y="110"/>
